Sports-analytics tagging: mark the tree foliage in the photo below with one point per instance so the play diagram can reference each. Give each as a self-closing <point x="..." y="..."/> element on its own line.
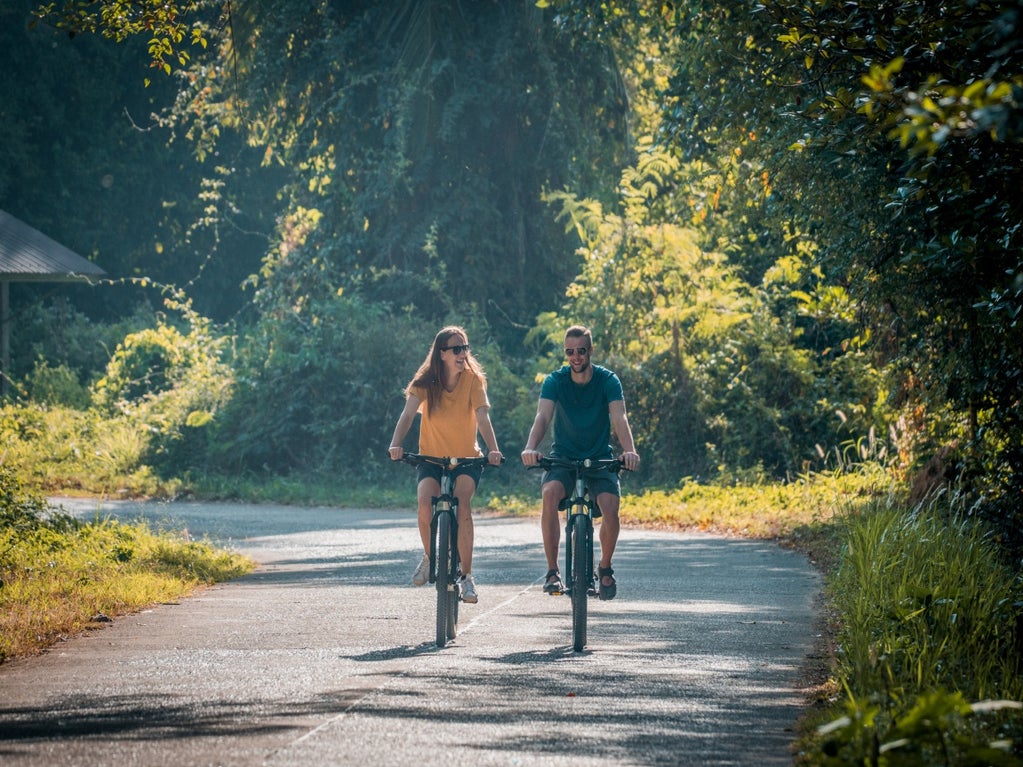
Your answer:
<point x="942" y="93"/>
<point x="171" y="28"/>
<point x="418" y="137"/>
<point x="86" y="160"/>
<point x="724" y="375"/>
<point x="407" y="146"/>
<point x="887" y="138"/>
<point x="757" y="208"/>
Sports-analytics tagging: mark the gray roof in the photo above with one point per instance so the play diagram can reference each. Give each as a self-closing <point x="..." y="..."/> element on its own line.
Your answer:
<point x="28" y="255"/>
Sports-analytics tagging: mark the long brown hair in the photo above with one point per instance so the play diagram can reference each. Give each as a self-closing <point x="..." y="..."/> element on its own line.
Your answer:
<point x="430" y="373"/>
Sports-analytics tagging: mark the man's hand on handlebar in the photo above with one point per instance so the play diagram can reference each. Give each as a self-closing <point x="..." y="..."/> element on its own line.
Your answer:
<point x="531" y="457"/>
<point x="630" y="460"/>
<point x="396" y="452"/>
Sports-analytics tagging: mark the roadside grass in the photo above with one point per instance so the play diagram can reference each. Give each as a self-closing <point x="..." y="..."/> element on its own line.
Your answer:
<point x="800" y="514"/>
<point x="60" y="576"/>
<point x="927" y="646"/>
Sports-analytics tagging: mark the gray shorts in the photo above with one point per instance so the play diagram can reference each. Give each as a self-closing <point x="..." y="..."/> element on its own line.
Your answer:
<point x="597" y="482"/>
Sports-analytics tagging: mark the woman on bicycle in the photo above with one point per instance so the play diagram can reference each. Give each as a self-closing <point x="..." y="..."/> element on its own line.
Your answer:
<point x="449" y="391"/>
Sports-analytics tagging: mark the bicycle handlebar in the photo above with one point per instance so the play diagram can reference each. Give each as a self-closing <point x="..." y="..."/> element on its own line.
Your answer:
<point x="447" y="463"/>
<point x="587" y="464"/>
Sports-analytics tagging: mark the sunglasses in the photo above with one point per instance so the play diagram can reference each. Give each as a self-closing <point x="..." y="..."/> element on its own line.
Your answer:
<point x="582" y="351"/>
<point x="459" y="349"/>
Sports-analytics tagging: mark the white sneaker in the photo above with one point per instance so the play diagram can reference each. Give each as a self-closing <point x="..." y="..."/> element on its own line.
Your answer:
<point x="467" y="589"/>
<point x="422" y="574"/>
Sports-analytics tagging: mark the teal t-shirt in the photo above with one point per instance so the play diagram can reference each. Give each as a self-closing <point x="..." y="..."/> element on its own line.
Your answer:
<point x="582" y="425"/>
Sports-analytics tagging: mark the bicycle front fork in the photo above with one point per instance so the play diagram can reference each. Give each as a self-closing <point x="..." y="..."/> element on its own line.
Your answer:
<point x="444" y="505"/>
<point x="579" y="524"/>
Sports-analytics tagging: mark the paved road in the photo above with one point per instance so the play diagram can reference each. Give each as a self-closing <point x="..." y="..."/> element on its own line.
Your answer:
<point x="325" y="656"/>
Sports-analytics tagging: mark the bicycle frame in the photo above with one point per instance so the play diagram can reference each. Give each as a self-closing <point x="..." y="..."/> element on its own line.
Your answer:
<point x="445" y="567"/>
<point x="582" y="509"/>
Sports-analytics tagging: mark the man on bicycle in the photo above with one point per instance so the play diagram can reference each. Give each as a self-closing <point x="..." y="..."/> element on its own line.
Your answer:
<point x="585" y="402"/>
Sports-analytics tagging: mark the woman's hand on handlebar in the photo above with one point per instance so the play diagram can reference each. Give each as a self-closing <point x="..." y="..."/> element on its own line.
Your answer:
<point x="495" y="457"/>
<point x="396" y="452"/>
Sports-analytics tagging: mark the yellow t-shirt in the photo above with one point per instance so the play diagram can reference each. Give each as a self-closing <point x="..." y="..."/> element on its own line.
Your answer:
<point x="451" y="431"/>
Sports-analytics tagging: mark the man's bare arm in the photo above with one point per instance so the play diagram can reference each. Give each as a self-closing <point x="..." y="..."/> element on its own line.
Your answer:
<point x="544" y="414"/>
<point x="622" y="430"/>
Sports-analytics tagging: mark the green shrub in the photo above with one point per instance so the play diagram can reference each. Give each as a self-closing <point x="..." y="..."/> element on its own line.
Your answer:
<point x="59" y="448"/>
<point x="167" y="387"/>
<point x="56" y="385"/>
<point x="55" y="331"/>
<point x="19" y="510"/>
<point x="320" y="388"/>
<point x="143" y="365"/>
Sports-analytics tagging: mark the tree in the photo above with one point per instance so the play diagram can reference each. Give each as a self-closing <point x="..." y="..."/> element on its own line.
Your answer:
<point x="724" y="375"/>
<point x="422" y="134"/>
<point x="87" y="161"/>
<point x="892" y="134"/>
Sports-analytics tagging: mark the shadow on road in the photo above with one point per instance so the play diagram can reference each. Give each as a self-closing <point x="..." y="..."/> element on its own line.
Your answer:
<point x="325" y="646"/>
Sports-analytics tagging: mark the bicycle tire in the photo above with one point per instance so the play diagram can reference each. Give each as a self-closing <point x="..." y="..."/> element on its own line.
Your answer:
<point x="453" y="593"/>
<point x="582" y="575"/>
<point x="444" y="584"/>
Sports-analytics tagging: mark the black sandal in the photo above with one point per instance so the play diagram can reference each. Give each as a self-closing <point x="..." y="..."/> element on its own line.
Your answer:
<point x="607" y="592"/>
<point x="552" y="583"/>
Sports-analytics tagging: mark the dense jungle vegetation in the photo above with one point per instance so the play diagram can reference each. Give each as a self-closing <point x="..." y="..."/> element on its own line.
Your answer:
<point x="795" y="231"/>
<point x="795" y="228"/>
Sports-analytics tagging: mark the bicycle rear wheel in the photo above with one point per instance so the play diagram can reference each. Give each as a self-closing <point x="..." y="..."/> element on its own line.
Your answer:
<point x="582" y="575"/>
<point x="445" y="584"/>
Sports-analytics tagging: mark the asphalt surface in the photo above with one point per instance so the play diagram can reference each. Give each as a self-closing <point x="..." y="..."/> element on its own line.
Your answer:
<point x="325" y="655"/>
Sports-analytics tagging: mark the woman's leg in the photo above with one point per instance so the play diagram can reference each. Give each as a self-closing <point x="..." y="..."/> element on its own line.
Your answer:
<point x="429" y="488"/>
<point x="465" y="488"/>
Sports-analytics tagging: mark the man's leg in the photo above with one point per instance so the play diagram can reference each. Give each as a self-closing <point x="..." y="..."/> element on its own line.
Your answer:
<point x="550" y="524"/>
<point x="609" y="529"/>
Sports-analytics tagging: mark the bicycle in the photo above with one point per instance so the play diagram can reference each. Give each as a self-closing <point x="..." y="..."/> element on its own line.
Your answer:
<point x="582" y="510"/>
<point x="445" y="568"/>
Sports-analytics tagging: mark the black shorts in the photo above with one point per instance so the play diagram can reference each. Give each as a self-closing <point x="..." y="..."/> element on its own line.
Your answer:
<point x="434" y="471"/>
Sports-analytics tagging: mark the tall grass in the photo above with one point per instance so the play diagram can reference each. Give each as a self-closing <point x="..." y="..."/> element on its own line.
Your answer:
<point x="59" y="449"/>
<point x="928" y="654"/>
<point x="925" y="601"/>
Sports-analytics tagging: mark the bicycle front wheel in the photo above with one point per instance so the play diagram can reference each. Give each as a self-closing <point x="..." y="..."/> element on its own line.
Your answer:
<point x="582" y="576"/>
<point x="445" y="582"/>
<point x="453" y="591"/>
